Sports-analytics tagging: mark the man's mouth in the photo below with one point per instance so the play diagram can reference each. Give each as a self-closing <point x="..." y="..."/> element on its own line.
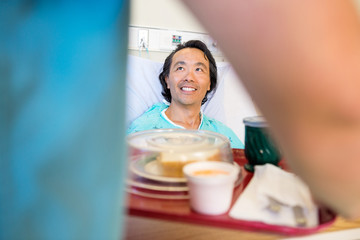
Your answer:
<point x="188" y="89"/>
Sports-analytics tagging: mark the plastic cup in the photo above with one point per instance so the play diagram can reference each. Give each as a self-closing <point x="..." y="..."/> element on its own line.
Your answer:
<point x="259" y="145"/>
<point x="211" y="186"/>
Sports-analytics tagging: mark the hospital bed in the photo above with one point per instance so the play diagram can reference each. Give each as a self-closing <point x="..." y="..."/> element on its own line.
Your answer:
<point x="229" y="104"/>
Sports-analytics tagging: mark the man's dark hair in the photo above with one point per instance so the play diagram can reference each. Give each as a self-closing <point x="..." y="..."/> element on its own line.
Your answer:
<point x="168" y="61"/>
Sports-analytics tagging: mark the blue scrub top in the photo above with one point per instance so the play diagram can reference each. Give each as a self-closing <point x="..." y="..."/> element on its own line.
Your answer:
<point x="62" y="122"/>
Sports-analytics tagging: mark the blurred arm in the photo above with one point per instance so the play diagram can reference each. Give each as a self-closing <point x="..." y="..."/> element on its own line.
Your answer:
<point x="300" y="62"/>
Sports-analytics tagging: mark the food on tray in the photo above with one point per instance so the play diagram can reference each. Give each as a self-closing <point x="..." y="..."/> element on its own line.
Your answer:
<point x="210" y="172"/>
<point x="174" y="148"/>
<point x="172" y="163"/>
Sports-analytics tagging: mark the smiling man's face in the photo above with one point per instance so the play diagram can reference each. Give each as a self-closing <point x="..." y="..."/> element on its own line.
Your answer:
<point x="189" y="77"/>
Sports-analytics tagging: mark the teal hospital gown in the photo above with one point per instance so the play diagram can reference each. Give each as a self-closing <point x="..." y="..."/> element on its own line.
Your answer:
<point x="155" y="118"/>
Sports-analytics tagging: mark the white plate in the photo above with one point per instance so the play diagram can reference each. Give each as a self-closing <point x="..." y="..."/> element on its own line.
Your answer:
<point x="141" y="182"/>
<point x="154" y="194"/>
<point x="150" y="169"/>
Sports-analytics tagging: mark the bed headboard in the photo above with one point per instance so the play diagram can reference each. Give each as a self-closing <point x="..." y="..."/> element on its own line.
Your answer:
<point x="229" y="104"/>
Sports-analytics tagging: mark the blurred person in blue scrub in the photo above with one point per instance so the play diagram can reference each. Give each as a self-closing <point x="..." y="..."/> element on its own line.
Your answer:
<point x="62" y="128"/>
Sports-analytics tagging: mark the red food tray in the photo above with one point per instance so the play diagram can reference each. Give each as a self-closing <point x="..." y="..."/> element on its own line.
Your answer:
<point x="179" y="210"/>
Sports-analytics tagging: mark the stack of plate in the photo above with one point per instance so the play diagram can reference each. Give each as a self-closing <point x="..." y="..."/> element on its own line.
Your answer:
<point x="145" y="179"/>
<point x="146" y="174"/>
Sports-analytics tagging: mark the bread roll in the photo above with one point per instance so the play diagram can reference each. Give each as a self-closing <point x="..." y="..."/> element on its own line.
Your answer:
<point x="172" y="163"/>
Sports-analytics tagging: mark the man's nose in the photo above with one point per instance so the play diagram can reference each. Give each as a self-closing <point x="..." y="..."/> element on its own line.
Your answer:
<point x="189" y="76"/>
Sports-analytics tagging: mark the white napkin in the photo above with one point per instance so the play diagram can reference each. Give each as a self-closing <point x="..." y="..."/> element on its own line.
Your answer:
<point x="284" y="187"/>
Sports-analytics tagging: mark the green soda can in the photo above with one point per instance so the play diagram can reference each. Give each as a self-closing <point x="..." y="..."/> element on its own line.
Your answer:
<point x="259" y="145"/>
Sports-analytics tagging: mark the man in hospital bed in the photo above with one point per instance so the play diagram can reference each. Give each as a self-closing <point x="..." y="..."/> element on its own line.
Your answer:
<point x="189" y="74"/>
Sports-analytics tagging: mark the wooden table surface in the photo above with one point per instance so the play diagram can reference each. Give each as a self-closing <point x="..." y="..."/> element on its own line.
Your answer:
<point x="149" y="228"/>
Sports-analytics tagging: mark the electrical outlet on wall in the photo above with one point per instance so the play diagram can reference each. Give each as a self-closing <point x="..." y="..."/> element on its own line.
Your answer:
<point x="143" y="39"/>
<point x="176" y="40"/>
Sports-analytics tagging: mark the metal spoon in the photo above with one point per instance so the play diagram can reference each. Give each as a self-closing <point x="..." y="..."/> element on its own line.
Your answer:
<point x="275" y="207"/>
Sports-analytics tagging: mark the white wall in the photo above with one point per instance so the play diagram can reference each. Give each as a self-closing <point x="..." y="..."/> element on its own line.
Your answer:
<point x="164" y="14"/>
<point x="168" y="14"/>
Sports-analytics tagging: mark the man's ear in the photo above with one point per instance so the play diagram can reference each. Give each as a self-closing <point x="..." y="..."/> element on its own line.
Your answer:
<point x="167" y="83"/>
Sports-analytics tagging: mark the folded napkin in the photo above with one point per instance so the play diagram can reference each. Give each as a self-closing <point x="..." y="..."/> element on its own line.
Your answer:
<point x="274" y="196"/>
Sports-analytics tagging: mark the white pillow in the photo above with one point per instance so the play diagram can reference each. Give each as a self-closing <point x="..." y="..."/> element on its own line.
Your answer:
<point x="143" y="86"/>
<point x="237" y="103"/>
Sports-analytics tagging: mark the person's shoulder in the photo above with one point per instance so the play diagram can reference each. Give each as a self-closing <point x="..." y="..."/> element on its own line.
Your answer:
<point x="213" y="122"/>
<point x="147" y="119"/>
<point x="215" y="125"/>
<point x="157" y="108"/>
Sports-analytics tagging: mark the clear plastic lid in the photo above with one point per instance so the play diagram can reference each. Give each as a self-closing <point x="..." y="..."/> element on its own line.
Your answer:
<point x="161" y="154"/>
<point x="177" y="140"/>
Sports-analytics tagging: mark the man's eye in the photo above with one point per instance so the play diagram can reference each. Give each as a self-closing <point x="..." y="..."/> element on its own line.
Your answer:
<point x="180" y="68"/>
<point x="199" y="70"/>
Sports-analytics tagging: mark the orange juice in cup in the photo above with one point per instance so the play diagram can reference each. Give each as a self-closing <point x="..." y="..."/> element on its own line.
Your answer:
<point x="211" y="186"/>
